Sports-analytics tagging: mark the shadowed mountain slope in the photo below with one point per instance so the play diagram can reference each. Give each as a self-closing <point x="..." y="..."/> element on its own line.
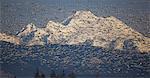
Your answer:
<point x="82" y="59"/>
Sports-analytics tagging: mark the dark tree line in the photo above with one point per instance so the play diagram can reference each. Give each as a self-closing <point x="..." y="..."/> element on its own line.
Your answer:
<point x="53" y="74"/>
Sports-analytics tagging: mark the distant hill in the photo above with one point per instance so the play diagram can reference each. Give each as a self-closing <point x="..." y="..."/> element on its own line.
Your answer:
<point x="82" y="59"/>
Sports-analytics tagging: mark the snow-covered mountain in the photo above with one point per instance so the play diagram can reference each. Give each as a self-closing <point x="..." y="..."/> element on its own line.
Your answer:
<point x="84" y="26"/>
<point x="9" y="38"/>
<point x="31" y="35"/>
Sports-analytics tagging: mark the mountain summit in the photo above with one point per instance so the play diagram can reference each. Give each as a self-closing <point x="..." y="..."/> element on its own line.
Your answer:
<point x="84" y="27"/>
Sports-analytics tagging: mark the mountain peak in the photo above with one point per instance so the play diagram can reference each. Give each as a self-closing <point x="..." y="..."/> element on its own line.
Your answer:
<point x="80" y="17"/>
<point x="83" y="26"/>
<point x="31" y="26"/>
<point x="28" y="29"/>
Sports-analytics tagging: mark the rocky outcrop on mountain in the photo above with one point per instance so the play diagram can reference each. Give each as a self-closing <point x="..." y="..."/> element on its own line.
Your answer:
<point x="84" y="26"/>
<point x="32" y="35"/>
<point x="9" y="38"/>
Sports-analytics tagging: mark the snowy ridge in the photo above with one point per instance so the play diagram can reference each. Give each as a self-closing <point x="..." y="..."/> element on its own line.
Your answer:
<point x="9" y="38"/>
<point x="107" y="32"/>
